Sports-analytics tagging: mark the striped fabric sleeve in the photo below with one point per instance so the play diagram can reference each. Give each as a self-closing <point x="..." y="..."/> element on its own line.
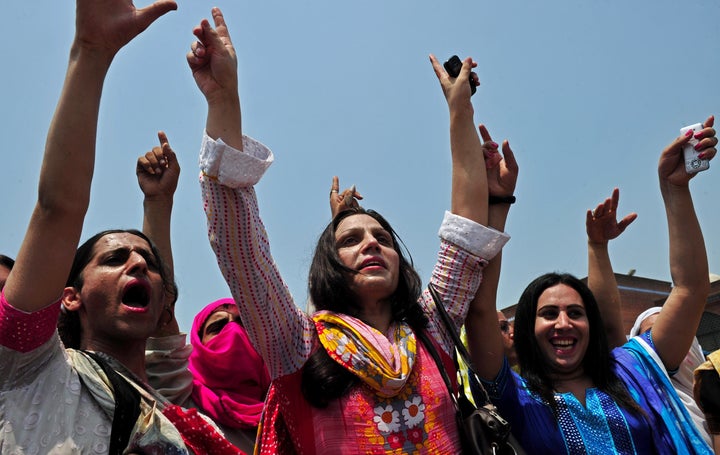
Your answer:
<point x="465" y="249"/>
<point x="279" y="330"/>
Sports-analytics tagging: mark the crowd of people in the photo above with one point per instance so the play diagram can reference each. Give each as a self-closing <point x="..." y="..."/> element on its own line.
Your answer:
<point x="92" y="359"/>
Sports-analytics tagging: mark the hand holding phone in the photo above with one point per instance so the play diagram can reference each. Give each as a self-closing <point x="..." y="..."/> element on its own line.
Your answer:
<point x="693" y="164"/>
<point x="453" y="66"/>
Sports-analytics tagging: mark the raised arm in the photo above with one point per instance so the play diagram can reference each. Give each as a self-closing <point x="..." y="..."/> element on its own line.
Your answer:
<point x="231" y="164"/>
<point x="678" y="321"/>
<point x="469" y="178"/>
<point x="602" y="226"/>
<point x="213" y="63"/>
<point x="484" y="338"/>
<point x="158" y="172"/>
<point x="102" y="28"/>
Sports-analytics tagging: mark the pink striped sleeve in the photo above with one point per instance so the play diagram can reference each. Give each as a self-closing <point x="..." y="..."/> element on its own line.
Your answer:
<point x="456" y="276"/>
<point x="280" y="331"/>
<point x="24" y="332"/>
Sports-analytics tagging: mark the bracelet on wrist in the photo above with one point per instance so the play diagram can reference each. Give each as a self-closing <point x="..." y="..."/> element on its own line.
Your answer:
<point x="501" y="200"/>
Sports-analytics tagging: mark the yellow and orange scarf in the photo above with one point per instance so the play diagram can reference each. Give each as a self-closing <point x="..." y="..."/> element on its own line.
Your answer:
<point x="383" y="362"/>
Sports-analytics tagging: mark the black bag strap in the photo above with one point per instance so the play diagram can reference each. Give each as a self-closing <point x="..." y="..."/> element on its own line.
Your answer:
<point x="127" y="406"/>
<point x="422" y="335"/>
<point x="464" y="354"/>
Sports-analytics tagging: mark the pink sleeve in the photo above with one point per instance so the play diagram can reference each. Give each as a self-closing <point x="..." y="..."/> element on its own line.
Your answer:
<point x="456" y="276"/>
<point x="24" y="332"/>
<point x="279" y="330"/>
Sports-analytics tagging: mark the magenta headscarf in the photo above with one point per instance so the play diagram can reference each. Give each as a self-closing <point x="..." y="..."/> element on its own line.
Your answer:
<point x="230" y="379"/>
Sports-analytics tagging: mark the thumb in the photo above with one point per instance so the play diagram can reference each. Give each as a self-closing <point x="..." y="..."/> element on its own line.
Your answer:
<point x="150" y="13"/>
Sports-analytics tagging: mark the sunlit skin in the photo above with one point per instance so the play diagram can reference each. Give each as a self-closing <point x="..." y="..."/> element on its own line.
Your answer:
<point x="122" y="296"/>
<point x="4" y="272"/>
<point x="364" y="245"/>
<point x="648" y="322"/>
<point x="562" y="331"/>
<point x="218" y="319"/>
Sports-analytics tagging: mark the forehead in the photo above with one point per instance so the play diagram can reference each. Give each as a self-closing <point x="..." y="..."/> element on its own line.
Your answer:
<point x="560" y="295"/>
<point x="360" y="221"/>
<point x="118" y="241"/>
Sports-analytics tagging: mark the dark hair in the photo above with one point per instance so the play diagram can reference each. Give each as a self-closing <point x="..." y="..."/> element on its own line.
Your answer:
<point x="7" y="262"/>
<point x="69" y="326"/>
<point x="323" y="379"/>
<point x="597" y="362"/>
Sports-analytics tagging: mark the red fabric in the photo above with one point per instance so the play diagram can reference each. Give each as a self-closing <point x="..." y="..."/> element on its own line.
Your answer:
<point x="291" y="425"/>
<point x="23" y="332"/>
<point x="201" y="437"/>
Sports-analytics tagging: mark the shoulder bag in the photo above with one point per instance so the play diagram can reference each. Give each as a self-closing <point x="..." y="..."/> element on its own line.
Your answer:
<point x="482" y="430"/>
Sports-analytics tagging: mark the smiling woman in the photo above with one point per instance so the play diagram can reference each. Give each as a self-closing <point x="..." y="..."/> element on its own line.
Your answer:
<point x="578" y="391"/>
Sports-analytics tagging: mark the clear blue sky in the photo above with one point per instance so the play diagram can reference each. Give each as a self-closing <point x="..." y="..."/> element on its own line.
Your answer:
<point x="588" y="92"/>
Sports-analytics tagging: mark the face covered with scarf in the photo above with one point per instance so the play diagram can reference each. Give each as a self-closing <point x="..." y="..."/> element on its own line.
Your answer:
<point x="230" y="379"/>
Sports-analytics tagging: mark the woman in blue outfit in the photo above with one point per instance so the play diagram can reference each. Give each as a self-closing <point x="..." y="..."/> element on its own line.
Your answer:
<point x="574" y="394"/>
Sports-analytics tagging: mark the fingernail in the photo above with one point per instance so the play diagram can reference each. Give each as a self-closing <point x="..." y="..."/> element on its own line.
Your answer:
<point x="698" y="135"/>
<point x="688" y="133"/>
<point x="157" y="170"/>
<point x="698" y="146"/>
<point x="493" y="144"/>
<point x="701" y="155"/>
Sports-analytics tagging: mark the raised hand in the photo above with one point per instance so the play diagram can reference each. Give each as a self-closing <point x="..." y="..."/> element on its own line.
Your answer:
<point x="158" y="170"/>
<point x="671" y="168"/>
<point x="601" y="223"/>
<point x="502" y="170"/>
<point x="342" y="201"/>
<point x="456" y="90"/>
<point x="107" y="25"/>
<point x="212" y="59"/>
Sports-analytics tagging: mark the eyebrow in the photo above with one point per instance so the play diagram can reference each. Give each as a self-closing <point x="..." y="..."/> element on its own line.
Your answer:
<point x="556" y="307"/>
<point x="142" y="251"/>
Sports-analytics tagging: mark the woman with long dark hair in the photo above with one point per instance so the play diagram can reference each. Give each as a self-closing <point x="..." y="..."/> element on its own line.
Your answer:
<point x="353" y="378"/>
<point x="574" y="393"/>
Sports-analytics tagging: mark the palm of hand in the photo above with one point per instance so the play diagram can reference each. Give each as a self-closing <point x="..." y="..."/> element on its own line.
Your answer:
<point x="501" y="180"/>
<point x="603" y="228"/>
<point x="672" y="169"/>
<point x="158" y="184"/>
<point x="107" y="24"/>
<point x="210" y="79"/>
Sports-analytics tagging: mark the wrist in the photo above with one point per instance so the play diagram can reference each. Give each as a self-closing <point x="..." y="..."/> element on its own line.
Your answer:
<point x="158" y="200"/>
<point x="602" y="244"/>
<point x="100" y="57"/>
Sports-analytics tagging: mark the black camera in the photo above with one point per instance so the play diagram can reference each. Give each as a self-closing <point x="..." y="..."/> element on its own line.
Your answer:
<point x="453" y="66"/>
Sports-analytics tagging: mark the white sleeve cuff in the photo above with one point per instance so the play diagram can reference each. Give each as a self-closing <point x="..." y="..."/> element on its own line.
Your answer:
<point x="232" y="167"/>
<point x="483" y="242"/>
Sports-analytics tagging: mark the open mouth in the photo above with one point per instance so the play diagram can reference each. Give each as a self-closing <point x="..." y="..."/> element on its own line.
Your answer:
<point x="374" y="262"/>
<point x="136" y="295"/>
